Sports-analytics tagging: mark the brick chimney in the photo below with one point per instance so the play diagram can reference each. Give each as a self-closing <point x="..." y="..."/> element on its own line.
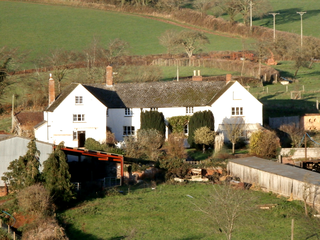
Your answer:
<point x="228" y="78"/>
<point x="52" y="94"/>
<point x="196" y="77"/>
<point x="109" y="76"/>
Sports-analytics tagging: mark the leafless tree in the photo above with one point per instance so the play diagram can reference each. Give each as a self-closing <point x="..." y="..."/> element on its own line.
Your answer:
<point x="234" y="128"/>
<point x="60" y="60"/>
<point x="171" y="4"/>
<point x="204" y="5"/>
<point x="225" y="206"/>
<point x="167" y="39"/>
<point x="294" y="131"/>
<point x="229" y="7"/>
<point x="10" y="60"/>
<point x="116" y="49"/>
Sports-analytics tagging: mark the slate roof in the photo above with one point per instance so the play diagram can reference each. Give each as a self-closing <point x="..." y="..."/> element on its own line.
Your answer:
<point x="153" y="94"/>
<point x="29" y="118"/>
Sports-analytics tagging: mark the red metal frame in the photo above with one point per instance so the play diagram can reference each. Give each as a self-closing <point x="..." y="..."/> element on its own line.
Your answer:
<point x="102" y="156"/>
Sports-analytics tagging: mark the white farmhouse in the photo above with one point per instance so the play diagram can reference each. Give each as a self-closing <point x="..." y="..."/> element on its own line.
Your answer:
<point x="86" y="111"/>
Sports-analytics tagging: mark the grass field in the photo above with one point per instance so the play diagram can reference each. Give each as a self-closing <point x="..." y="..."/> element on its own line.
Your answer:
<point x="167" y="213"/>
<point x="289" y="20"/>
<point x="41" y="28"/>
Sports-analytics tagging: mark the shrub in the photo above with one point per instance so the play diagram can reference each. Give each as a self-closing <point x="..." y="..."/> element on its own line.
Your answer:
<point x="174" y="168"/>
<point x="153" y="120"/>
<point x="198" y="120"/>
<point x="175" y="145"/>
<point x="44" y="228"/>
<point x="264" y="143"/>
<point x="92" y="144"/>
<point x="35" y="200"/>
<point x="150" y="141"/>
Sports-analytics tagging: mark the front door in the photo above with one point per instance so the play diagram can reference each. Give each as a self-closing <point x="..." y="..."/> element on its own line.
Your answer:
<point x="81" y="138"/>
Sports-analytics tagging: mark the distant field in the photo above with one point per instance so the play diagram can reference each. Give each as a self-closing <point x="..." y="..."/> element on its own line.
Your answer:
<point x="290" y="21"/>
<point x="40" y="28"/>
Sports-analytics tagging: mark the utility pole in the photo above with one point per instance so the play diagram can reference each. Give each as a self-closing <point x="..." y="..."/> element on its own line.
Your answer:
<point x="251" y="16"/>
<point x="301" y="13"/>
<point x="274" y="25"/>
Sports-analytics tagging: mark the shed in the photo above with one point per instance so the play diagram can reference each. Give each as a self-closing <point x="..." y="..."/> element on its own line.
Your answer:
<point x="286" y="180"/>
<point x="91" y="168"/>
<point x="12" y="147"/>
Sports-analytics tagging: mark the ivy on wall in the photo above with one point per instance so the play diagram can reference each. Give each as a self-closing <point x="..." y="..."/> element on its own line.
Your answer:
<point x="176" y="124"/>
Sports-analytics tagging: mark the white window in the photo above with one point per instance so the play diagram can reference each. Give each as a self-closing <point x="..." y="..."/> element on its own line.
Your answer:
<point x="189" y="109"/>
<point x="75" y="135"/>
<point x="78" y="117"/>
<point x="128" y="112"/>
<point x="237" y="111"/>
<point x="154" y="109"/>
<point x="79" y="100"/>
<point x="128" y="130"/>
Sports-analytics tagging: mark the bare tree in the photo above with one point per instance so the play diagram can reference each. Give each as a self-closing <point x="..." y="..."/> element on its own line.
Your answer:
<point x="311" y="47"/>
<point x="229" y="7"/>
<point x="167" y="39"/>
<point x="171" y="4"/>
<point x="225" y="206"/>
<point x="10" y="60"/>
<point x="234" y="128"/>
<point x="204" y="136"/>
<point x="116" y="49"/>
<point x="191" y="41"/>
<point x="60" y="61"/>
<point x="259" y="8"/>
<point x="294" y="131"/>
<point x="204" y="5"/>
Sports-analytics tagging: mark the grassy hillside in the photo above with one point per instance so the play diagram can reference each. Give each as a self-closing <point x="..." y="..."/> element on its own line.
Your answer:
<point x="168" y="213"/>
<point x="40" y="28"/>
<point x="290" y="21"/>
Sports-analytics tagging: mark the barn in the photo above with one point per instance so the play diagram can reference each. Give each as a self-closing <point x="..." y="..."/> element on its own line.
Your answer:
<point x="286" y="180"/>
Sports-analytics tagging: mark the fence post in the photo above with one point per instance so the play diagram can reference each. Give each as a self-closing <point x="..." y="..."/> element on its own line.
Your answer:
<point x="9" y="229"/>
<point x="0" y="223"/>
<point x="14" y="235"/>
<point x="286" y="88"/>
<point x="317" y="106"/>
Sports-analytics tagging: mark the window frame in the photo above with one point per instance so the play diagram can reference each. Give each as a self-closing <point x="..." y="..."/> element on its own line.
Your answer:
<point x="78" y="117"/>
<point x="128" y="112"/>
<point x="189" y="110"/>
<point x="78" y="100"/>
<point x="236" y="111"/>
<point x="128" y="131"/>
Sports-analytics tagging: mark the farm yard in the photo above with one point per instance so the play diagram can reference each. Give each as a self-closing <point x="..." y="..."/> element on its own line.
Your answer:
<point x="154" y="208"/>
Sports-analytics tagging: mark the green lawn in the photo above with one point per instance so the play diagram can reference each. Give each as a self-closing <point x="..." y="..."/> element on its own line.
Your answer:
<point x="277" y="98"/>
<point x="289" y="20"/>
<point x="40" y="28"/>
<point x="168" y="213"/>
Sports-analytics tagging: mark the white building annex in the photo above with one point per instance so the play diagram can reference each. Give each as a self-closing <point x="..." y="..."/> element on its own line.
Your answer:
<point x="84" y="111"/>
<point x="12" y="147"/>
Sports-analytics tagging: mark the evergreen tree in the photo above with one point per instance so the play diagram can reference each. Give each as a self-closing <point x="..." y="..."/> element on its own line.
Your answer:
<point x="198" y="120"/>
<point x="24" y="171"/>
<point x="57" y="176"/>
<point x="152" y="120"/>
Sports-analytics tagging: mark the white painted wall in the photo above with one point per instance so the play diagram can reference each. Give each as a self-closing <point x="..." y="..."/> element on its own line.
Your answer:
<point x="60" y="124"/>
<point x="237" y="96"/>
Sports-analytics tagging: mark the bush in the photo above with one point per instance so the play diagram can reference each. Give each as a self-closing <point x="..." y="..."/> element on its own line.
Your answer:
<point x="92" y="144"/>
<point x="174" y="168"/>
<point x="175" y="146"/>
<point x="35" y="200"/>
<point x="44" y="228"/>
<point x="264" y="143"/>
